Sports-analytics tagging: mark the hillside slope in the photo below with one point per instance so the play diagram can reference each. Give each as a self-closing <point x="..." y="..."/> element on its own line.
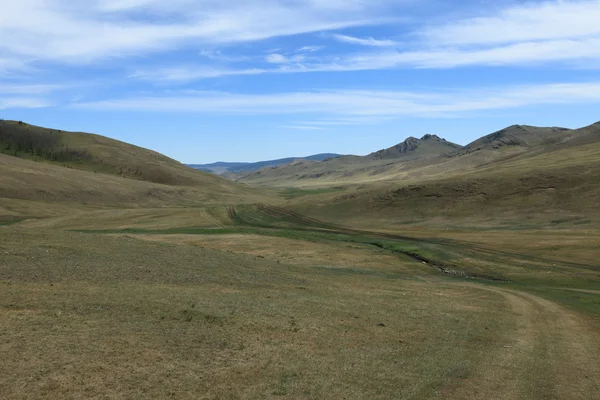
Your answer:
<point x="44" y="172"/>
<point x="413" y="148"/>
<point x="355" y="169"/>
<point x="95" y="153"/>
<point x="429" y="158"/>
<point x="555" y="184"/>
<point x="521" y="136"/>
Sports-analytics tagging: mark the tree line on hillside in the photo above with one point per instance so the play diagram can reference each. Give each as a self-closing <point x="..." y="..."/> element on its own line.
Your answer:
<point x="18" y="141"/>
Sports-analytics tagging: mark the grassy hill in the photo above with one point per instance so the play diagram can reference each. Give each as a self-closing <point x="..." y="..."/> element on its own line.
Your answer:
<point x="426" y="159"/>
<point x="354" y="169"/>
<point x="95" y="153"/>
<point x="542" y="179"/>
<point x="523" y="136"/>
<point x="48" y="172"/>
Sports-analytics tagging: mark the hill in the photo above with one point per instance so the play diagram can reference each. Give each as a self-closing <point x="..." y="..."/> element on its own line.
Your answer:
<point x="412" y="148"/>
<point x="519" y="176"/>
<point x="46" y="172"/>
<point x="428" y="158"/>
<point x="221" y="168"/>
<point x="355" y="169"/>
<point x="95" y="153"/>
<point x="521" y="136"/>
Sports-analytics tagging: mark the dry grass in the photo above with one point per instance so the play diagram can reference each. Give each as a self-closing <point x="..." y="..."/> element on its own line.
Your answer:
<point x="299" y="252"/>
<point x="87" y="316"/>
<point x="282" y="306"/>
<point x="33" y="189"/>
<point x="253" y="317"/>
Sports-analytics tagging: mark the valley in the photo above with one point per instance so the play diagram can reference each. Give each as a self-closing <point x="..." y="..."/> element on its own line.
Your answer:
<point x="426" y="270"/>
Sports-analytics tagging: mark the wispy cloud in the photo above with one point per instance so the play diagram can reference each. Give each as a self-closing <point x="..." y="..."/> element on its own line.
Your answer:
<point x="309" y="49"/>
<point x="533" y="21"/>
<point x="86" y="31"/>
<point x="190" y="73"/>
<point x="23" y="102"/>
<point x="20" y="95"/>
<point x="359" y="103"/>
<point x="522" y="35"/>
<point x="302" y="127"/>
<point x="276" y="58"/>
<point x="26" y="89"/>
<point x="217" y="55"/>
<point x="369" y="41"/>
<point x="80" y="33"/>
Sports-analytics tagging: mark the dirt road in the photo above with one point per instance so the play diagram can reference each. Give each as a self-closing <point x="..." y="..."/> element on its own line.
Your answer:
<point x="550" y="353"/>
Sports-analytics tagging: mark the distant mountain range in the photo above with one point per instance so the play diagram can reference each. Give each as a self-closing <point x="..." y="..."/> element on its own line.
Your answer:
<point x="429" y="156"/>
<point x="221" y="168"/>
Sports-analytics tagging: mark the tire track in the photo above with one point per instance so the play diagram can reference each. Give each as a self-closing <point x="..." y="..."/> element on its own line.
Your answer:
<point x="551" y="353"/>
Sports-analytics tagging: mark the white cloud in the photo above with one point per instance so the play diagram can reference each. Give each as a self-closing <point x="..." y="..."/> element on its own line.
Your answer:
<point x="276" y="58"/>
<point x="360" y="104"/>
<point x="23" y="102"/>
<point x="217" y="55"/>
<point x="579" y="54"/>
<point x="309" y="49"/>
<point x="22" y="95"/>
<point x="27" y="89"/>
<point x="364" y="41"/>
<point x="546" y="20"/>
<point x="81" y="32"/>
<point x="190" y="73"/>
<point x="556" y="33"/>
<point x="522" y="35"/>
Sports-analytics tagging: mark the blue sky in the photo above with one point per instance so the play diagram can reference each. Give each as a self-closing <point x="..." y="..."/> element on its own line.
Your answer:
<point x="233" y="80"/>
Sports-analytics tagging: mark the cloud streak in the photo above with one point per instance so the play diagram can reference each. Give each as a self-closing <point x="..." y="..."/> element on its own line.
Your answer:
<point x="364" y="41"/>
<point x="518" y="36"/>
<point x="83" y="32"/>
<point x="539" y="21"/>
<point x="358" y="104"/>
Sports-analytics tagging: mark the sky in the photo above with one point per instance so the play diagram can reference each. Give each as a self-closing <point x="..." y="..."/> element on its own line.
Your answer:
<point x="248" y="80"/>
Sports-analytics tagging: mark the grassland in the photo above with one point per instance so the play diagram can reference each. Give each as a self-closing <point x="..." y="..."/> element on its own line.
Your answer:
<point x="478" y="285"/>
<point x="158" y="316"/>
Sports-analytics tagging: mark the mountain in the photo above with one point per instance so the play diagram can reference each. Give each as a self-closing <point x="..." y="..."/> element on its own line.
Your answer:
<point x="221" y="168"/>
<point x="521" y="175"/>
<point x="428" y="145"/>
<point x="355" y="169"/>
<point x="428" y="158"/>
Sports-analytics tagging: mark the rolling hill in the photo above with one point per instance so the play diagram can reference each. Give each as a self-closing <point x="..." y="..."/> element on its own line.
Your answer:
<point x="221" y="168"/>
<point x="95" y="153"/>
<point x="520" y="175"/>
<point x="354" y="169"/>
<point x="428" y="158"/>
<point x="522" y="136"/>
<point x="45" y="172"/>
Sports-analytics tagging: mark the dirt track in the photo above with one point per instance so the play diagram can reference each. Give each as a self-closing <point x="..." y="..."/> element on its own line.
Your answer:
<point x="551" y="353"/>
